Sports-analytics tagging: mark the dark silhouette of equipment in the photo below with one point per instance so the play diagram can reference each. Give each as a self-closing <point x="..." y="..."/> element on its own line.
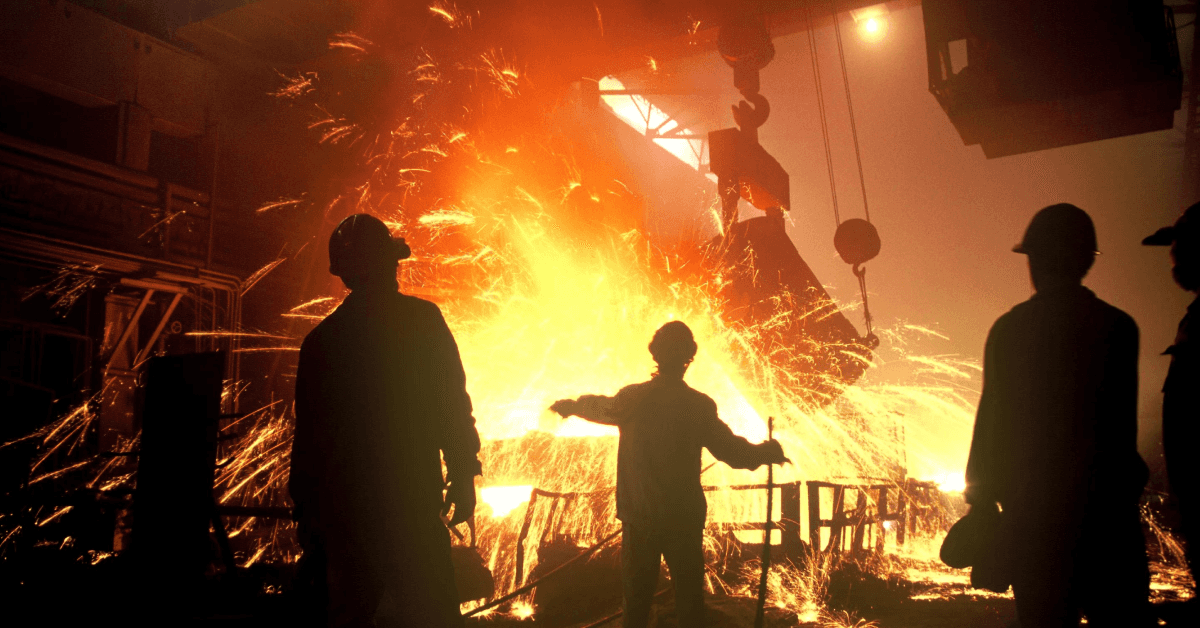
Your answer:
<point x="1017" y="76"/>
<point x="27" y="407"/>
<point x="768" y="278"/>
<point x="743" y="167"/>
<point x="856" y="241"/>
<point x="471" y="574"/>
<point x="173" y="502"/>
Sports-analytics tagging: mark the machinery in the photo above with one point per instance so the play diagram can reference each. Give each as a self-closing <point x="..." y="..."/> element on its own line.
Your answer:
<point x="1025" y="75"/>
<point x="822" y="349"/>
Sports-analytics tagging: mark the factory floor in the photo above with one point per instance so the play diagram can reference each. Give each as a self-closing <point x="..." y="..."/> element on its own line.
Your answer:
<point x="74" y="593"/>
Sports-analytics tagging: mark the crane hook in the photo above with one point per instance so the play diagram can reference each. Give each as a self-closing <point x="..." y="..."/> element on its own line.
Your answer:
<point x="753" y="114"/>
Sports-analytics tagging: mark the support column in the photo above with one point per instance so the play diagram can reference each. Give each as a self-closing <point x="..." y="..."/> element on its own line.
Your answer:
<point x="118" y="350"/>
<point x="789" y="520"/>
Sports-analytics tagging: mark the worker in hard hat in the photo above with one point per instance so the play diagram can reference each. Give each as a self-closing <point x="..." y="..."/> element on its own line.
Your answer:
<point x="664" y="424"/>
<point x="380" y="400"/>
<point x="1055" y="440"/>
<point x="1181" y="392"/>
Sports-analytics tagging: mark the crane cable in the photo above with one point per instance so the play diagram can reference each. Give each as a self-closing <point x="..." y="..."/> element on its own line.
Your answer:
<point x="859" y="272"/>
<point x="812" y="49"/>
<point x="862" y="181"/>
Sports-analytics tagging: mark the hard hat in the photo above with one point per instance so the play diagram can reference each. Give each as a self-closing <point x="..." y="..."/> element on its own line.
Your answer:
<point x="362" y="244"/>
<point x="673" y="344"/>
<point x="1186" y="228"/>
<point x="1061" y="229"/>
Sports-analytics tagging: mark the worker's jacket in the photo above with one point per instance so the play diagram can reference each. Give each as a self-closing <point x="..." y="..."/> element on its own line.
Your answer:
<point x="664" y="424"/>
<point x="1181" y="406"/>
<point x="380" y="390"/>
<point x="1056" y="430"/>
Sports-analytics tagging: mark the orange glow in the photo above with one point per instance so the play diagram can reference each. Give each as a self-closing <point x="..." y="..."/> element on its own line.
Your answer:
<point x="522" y="609"/>
<point x="641" y="114"/>
<point x="504" y="499"/>
<point x="533" y="248"/>
<point x="951" y="482"/>
<point x="535" y="252"/>
<point x="872" y="22"/>
<point x="453" y="17"/>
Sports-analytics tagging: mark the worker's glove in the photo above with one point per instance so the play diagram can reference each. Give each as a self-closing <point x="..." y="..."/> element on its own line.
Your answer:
<point x="565" y="407"/>
<point x="461" y="495"/>
<point x="773" y="452"/>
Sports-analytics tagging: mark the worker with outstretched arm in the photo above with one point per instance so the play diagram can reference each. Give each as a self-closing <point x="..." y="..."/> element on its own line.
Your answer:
<point x="664" y="424"/>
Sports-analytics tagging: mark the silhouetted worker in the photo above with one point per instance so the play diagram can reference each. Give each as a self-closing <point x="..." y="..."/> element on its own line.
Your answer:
<point x="664" y="424"/>
<point x="380" y="390"/>
<point x="1055" y="440"/>
<point x="1181" y="392"/>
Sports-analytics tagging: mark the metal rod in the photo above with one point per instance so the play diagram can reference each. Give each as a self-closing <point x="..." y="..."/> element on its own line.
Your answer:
<point x="519" y="573"/>
<point x="766" y="553"/>
<point x="212" y="194"/>
<point x="617" y="615"/>
<point x="133" y="321"/>
<point x="167" y="204"/>
<point x="529" y="587"/>
<point x="158" y="330"/>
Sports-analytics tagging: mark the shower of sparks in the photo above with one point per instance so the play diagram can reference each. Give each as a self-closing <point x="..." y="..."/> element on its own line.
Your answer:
<point x="334" y="131"/>
<point x="237" y="334"/>
<point x="69" y="283"/>
<point x="259" y="274"/>
<point x="516" y="277"/>
<point x="57" y="513"/>
<point x="66" y="434"/>
<point x="504" y="76"/>
<point x="283" y="202"/>
<point x="520" y="269"/>
<point x="448" y="12"/>
<point x="549" y="299"/>
<point x="522" y="609"/>
<point x="60" y="453"/>
<point x="165" y="221"/>
<point x="296" y="86"/>
<point x="351" y="42"/>
<point x="315" y="309"/>
<point x="844" y="619"/>
<point x="443" y="219"/>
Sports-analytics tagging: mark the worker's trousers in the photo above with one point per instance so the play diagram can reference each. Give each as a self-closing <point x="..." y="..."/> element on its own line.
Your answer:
<point x="1180" y="435"/>
<point x="642" y="551"/>
<point x="410" y="568"/>
<point x="1098" y="568"/>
